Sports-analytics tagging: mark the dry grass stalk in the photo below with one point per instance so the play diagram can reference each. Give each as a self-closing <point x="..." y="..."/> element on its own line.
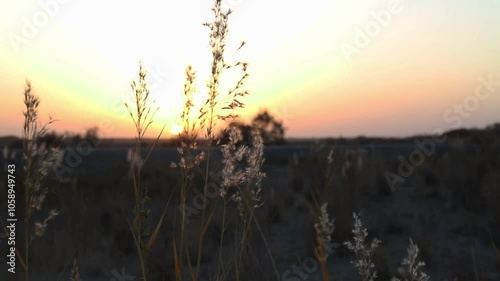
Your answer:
<point x="38" y="161"/>
<point x="142" y="116"/>
<point x="411" y="269"/>
<point x="219" y="105"/>
<point x="75" y="272"/>
<point x="241" y="182"/>
<point x="363" y="250"/>
<point x="324" y="230"/>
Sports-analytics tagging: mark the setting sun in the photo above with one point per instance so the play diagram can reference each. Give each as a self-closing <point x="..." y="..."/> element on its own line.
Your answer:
<point x="176" y="129"/>
<point x="319" y="60"/>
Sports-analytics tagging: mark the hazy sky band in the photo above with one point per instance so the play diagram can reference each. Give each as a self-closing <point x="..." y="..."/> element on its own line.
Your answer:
<point x="403" y="69"/>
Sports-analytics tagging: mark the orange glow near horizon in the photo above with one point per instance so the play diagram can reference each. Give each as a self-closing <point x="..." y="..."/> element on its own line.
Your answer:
<point x="424" y="60"/>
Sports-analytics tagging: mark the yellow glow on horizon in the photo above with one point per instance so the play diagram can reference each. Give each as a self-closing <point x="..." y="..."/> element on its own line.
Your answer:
<point x="176" y="129"/>
<point x="82" y="61"/>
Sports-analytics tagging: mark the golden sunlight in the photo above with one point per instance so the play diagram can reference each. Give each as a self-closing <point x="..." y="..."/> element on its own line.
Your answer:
<point x="176" y="129"/>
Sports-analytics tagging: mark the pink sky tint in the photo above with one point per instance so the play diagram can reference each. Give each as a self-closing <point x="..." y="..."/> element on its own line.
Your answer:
<point x="419" y="64"/>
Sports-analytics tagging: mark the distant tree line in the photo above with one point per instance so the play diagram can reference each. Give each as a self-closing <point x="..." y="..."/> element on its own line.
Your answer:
<point x="271" y="129"/>
<point x="56" y="139"/>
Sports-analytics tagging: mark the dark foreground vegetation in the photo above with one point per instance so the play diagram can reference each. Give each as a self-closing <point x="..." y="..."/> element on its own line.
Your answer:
<point x="449" y="204"/>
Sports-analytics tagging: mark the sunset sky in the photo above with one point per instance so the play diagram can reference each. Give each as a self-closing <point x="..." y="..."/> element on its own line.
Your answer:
<point x="326" y="68"/>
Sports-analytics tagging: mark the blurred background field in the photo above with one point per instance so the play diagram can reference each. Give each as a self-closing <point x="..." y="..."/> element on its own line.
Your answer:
<point x="450" y="207"/>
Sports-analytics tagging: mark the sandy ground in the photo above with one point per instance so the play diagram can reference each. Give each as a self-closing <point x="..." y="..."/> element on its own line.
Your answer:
<point x="447" y="207"/>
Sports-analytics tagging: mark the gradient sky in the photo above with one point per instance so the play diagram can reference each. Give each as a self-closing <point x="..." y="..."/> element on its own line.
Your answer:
<point x="405" y="80"/>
